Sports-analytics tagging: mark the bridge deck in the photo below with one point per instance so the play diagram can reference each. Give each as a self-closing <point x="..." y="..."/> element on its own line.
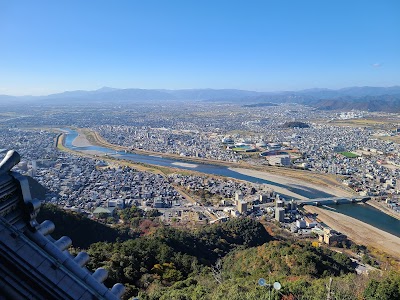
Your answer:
<point x="331" y="200"/>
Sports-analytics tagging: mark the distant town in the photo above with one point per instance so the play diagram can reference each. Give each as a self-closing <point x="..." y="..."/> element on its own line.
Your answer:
<point x="363" y="156"/>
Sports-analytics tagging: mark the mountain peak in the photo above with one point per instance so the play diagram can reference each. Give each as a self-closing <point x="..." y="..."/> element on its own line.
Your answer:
<point x="105" y="89"/>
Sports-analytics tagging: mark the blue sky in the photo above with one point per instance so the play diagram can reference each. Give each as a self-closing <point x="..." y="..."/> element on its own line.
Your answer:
<point x="51" y="46"/>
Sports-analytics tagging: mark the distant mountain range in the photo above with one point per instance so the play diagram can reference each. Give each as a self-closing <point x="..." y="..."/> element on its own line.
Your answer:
<point x="362" y="98"/>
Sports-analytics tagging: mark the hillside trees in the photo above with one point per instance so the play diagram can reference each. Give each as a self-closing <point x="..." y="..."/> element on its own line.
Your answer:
<point x="387" y="288"/>
<point x="170" y="255"/>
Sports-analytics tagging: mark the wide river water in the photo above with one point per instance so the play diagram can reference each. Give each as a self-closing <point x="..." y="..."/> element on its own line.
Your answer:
<point x="362" y="212"/>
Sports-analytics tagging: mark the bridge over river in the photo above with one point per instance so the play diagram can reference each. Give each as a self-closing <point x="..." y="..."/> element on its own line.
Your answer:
<point x="331" y="200"/>
<point x="364" y="213"/>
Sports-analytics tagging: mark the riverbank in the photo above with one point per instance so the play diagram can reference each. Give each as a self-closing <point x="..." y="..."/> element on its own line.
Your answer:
<point x="359" y="232"/>
<point x="111" y="161"/>
<point x="61" y="146"/>
<point x="281" y="190"/>
<point x="280" y="180"/>
<point x="81" y="140"/>
<point x="295" y="182"/>
<point x="383" y="208"/>
<point x="322" y="182"/>
<point x="97" y="140"/>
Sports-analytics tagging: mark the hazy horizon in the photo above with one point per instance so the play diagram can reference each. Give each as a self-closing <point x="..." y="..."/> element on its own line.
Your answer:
<point x="205" y="88"/>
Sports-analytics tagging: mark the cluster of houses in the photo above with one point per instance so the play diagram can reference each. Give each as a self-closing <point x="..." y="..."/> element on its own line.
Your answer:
<point x="394" y="205"/>
<point x="186" y="143"/>
<point x="31" y="144"/>
<point x="222" y="188"/>
<point x="368" y="161"/>
<point x="304" y="225"/>
<point x="85" y="184"/>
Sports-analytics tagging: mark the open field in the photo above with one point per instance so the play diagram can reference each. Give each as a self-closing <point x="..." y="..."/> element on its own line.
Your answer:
<point x="359" y="232"/>
<point x="349" y="154"/>
<point x="394" y="139"/>
<point x="360" y="122"/>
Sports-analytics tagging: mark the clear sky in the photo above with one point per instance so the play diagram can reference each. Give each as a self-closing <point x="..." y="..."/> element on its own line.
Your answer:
<point x="51" y="46"/>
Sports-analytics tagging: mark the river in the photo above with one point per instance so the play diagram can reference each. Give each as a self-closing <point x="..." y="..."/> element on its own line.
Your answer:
<point x="362" y="212"/>
<point x="199" y="167"/>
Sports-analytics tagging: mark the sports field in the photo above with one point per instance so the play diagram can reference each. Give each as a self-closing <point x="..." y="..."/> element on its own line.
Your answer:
<point x="349" y="154"/>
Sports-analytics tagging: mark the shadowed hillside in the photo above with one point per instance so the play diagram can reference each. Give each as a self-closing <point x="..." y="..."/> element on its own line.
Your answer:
<point x="79" y="228"/>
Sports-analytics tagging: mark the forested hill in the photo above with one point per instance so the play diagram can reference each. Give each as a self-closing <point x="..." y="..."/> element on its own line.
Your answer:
<point x="175" y="264"/>
<point x="219" y="261"/>
<point x="384" y="103"/>
<point x="82" y="231"/>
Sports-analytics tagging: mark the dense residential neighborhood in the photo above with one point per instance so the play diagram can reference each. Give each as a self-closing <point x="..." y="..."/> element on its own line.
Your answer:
<point x="364" y="157"/>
